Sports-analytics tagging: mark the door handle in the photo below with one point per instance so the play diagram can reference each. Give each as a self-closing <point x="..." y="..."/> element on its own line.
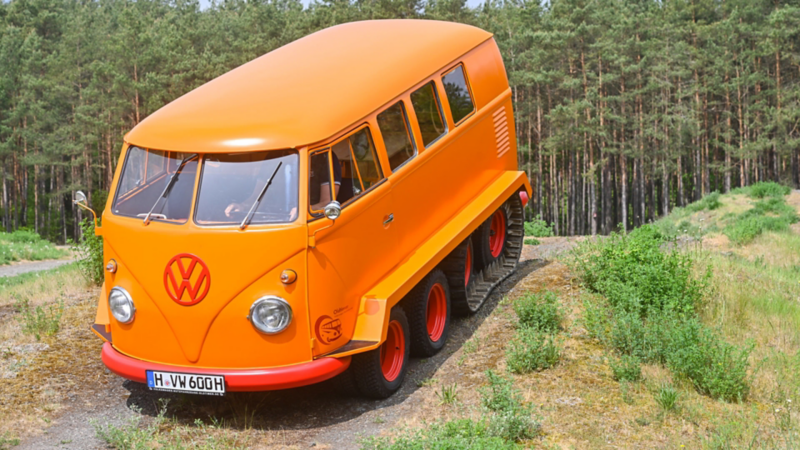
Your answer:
<point x="388" y="220"/>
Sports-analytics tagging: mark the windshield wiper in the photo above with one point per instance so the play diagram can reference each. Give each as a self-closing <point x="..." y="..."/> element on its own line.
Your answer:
<point x="164" y="193"/>
<point x="249" y="216"/>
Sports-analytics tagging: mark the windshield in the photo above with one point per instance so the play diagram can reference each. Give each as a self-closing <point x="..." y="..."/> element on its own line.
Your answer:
<point x="144" y="178"/>
<point x="230" y="185"/>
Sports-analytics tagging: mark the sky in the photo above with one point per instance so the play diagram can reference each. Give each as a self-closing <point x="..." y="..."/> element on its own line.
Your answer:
<point x="471" y="3"/>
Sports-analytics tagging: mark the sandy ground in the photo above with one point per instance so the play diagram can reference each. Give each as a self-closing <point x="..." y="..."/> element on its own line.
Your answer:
<point x="31" y="266"/>
<point x="318" y="416"/>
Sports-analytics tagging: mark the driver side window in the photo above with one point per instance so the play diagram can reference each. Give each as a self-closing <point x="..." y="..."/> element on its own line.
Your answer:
<point x="353" y="165"/>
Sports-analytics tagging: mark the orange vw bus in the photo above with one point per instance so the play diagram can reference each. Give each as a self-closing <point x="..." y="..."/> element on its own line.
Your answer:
<point x="321" y="210"/>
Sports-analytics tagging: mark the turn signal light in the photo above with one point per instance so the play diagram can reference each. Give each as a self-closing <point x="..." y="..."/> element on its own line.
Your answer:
<point x="288" y="276"/>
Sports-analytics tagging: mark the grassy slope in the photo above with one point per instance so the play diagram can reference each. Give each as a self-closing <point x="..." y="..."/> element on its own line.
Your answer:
<point x="752" y="299"/>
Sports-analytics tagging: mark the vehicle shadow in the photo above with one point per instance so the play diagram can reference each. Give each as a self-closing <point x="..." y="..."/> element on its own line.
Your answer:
<point x="313" y="406"/>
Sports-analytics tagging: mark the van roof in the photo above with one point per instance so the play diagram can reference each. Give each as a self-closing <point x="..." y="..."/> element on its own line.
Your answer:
<point x="308" y="90"/>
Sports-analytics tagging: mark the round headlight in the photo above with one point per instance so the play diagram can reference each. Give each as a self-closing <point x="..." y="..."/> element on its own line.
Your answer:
<point x="121" y="305"/>
<point x="270" y="314"/>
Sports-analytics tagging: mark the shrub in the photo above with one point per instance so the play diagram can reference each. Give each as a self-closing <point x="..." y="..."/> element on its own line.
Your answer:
<point x="531" y="241"/>
<point x="532" y="349"/>
<point x="633" y="273"/>
<point x="538" y="228"/>
<point x="511" y="418"/>
<point x="90" y="253"/>
<point x="771" y="214"/>
<point x="709" y="202"/>
<point x="22" y="236"/>
<point x="627" y="368"/>
<point x="768" y="189"/>
<point x="40" y="320"/>
<point x="539" y="310"/>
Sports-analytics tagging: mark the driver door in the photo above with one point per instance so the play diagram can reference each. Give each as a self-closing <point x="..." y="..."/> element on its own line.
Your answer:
<point x="351" y="255"/>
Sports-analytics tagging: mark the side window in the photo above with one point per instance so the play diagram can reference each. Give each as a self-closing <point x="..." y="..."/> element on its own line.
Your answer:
<point x="358" y="163"/>
<point x="319" y="190"/>
<point x="429" y="115"/>
<point x="457" y="91"/>
<point x="393" y="124"/>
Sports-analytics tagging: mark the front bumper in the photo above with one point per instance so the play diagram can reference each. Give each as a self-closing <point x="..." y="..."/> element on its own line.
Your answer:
<point x="235" y="379"/>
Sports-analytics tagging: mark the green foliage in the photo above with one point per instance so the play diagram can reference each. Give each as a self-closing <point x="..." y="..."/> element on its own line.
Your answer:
<point x="539" y="310"/>
<point x="538" y="228"/>
<point x="632" y="272"/>
<point x="709" y="202"/>
<point x="90" y="253"/>
<point x="764" y="189"/>
<point x="770" y="214"/>
<point x="627" y="368"/>
<point x="531" y="241"/>
<point x="26" y="245"/>
<point x="652" y="319"/>
<point x="666" y="397"/>
<point x="39" y="321"/>
<point x="532" y="349"/>
<point x="505" y="422"/>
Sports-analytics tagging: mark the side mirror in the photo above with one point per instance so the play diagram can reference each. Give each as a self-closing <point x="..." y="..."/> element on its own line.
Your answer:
<point x="82" y="202"/>
<point x="333" y="210"/>
<point x="80" y="199"/>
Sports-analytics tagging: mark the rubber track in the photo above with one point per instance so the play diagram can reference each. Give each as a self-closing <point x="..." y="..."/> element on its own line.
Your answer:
<point x="453" y="268"/>
<point x="484" y="282"/>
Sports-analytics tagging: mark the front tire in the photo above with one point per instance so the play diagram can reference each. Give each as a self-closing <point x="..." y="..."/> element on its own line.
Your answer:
<point x="428" y="309"/>
<point x="379" y="373"/>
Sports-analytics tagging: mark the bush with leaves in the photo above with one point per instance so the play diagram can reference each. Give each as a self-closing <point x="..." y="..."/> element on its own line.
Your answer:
<point x="627" y="368"/>
<point x="538" y="228"/>
<point x="764" y="189"/>
<point x="532" y="349"/>
<point x="40" y="320"/>
<point x="539" y="310"/>
<point x="90" y="253"/>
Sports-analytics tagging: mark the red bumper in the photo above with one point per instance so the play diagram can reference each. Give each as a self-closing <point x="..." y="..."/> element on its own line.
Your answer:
<point x="235" y="380"/>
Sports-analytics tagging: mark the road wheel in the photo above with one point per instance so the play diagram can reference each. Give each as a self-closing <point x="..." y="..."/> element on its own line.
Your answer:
<point x="428" y="309"/>
<point x="490" y="239"/>
<point x="459" y="268"/>
<point x="379" y="373"/>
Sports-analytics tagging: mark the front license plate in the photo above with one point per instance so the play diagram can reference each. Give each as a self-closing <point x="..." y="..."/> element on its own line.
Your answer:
<point x="186" y="382"/>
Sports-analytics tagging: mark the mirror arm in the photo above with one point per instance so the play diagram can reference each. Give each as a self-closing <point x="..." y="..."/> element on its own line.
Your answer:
<point x="94" y="216"/>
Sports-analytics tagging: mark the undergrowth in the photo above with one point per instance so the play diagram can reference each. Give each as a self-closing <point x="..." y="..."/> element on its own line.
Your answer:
<point x="26" y="245"/>
<point x="647" y="309"/>
<point x="505" y="423"/>
<point x="538" y="228"/>
<point x="40" y="320"/>
<point x="769" y="214"/>
<point x="90" y="253"/>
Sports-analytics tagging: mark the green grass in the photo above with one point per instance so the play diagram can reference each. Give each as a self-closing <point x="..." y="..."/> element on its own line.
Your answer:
<point x="532" y="349"/>
<point x="26" y="245"/>
<point x="666" y="396"/>
<point x="506" y="421"/>
<point x="769" y="214"/>
<point x="627" y="368"/>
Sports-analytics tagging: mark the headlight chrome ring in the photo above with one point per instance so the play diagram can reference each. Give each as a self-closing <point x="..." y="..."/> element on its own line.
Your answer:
<point x="121" y="305"/>
<point x="270" y="314"/>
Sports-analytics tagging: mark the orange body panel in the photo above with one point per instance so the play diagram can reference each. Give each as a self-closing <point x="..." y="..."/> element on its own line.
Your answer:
<point x="350" y="272"/>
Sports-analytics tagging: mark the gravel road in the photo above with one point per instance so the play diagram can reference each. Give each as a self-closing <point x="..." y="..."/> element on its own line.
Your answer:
<point x="31" y="266"/>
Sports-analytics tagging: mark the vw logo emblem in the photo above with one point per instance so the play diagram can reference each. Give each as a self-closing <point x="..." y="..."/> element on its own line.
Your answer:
<point x="187" y="279"/>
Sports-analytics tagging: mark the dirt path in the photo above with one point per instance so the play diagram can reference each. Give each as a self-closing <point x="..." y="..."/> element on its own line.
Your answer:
<point x="31" y="266"/>
<point x="319" y="416"/>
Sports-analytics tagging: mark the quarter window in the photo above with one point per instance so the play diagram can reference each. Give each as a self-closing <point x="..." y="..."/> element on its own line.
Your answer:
<point x="426" y="106"/>
<point x="457" y="91"/>
<point x="393" y="124"/>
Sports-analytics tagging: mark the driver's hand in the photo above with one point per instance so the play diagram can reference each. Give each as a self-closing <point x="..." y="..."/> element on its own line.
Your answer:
<point x="233" y="208"/>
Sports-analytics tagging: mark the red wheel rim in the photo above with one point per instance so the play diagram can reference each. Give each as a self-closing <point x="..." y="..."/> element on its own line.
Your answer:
<point x="468" y="269"/>
<point x="393" y="351"/>
<point x="437" y="312"/>
<point x="497" y="233"/>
